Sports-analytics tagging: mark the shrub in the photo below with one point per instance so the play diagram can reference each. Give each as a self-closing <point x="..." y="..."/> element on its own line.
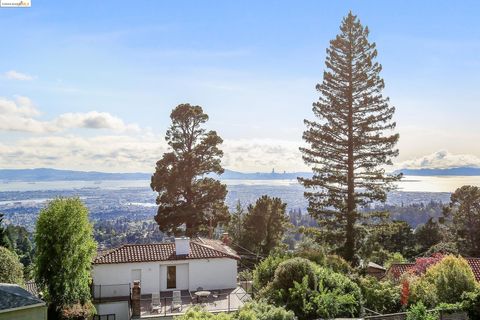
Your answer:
<point x="294" y="270"/>
<point x="11" y="270"/>
<point x="451" y="277"/>
<point x="263" y="311"/>
<point x="419" y="312"/>
<point x="380" y="296"/>
<point x="78" y="311"/>
<point x="423" y="290"/>
<point x="265" y="270"/>
<point x="471" y="303"/>
<point x="328" y="294"/>
<point x="338" y="264"/>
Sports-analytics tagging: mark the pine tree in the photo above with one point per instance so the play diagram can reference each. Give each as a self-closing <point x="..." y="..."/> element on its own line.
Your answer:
<point x="3" y="234"/>
<point x="349" y="145"/>
<point x="187" y="197"/>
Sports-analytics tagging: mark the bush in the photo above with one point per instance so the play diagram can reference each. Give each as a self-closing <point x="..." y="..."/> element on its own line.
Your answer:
<point x="198" y="313"/>
<point x="11" y="270"/>
<point x="452" y="277"/>
<point x="265" y="270"/>
<point x="328" y="294"/>
<point x="294" y="270"/>
<point x="338" y="264"/>
<point x="78" y="311"/>
<point x="471" y="303"/>
<point x="380" y="296"/>
<point x="419" y="312"/>
<point x="263" y="311"/>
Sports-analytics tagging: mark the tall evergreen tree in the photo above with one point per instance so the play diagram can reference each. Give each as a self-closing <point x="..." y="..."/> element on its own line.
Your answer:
<point x="265" y="224"/>
<point x="349" y="144"/>
<point x="186" y="195"/>
<point x="462" y="217"/>
<point x="3" y="234"/>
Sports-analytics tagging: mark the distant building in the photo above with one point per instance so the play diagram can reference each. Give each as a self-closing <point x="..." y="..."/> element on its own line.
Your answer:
<point x="375" y="270"/>
<point x="18" y="303"/>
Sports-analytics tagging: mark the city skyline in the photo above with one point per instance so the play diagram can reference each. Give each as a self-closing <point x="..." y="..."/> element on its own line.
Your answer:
<point x="119" y="70"/>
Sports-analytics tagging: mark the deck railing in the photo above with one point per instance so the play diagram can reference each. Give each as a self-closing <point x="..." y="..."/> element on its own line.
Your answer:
<point x="113" y="292"/>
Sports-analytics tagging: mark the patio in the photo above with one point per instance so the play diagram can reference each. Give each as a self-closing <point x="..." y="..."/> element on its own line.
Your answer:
<point x="218" y="301"/>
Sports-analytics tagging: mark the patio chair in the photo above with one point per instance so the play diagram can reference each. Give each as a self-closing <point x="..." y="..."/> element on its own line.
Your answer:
<point x="156" y="305"/>
<point x="177" y="301"/>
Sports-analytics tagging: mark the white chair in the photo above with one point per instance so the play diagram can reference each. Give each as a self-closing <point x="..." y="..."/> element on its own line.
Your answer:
<point x="156" y="305"/>
<point x="177" y="301"/>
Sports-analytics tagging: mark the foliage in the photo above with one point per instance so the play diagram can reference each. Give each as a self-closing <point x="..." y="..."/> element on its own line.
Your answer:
<point x="380" y="296"/>
<point x="3" y="235"/>
<point x="186" y="195"/>
<point x="338" y="264"/>
<point x="452" y="277"/>
<point x="20" y="241"/>
<point x="263" y="311"/>
<point x="393" y="258"/>
<point x="428" y="235"/>
<point x="11" y="270"/>
<point x="78" y="311"/>
<point x="471" y="303"/>
<point x="265" y="270"/>
<point x="235" y="226"/>
<point x="65" y="249"/>
<point x="419" y="312"/>
<point x="265" y="224"/>
<point x="349" y="145"/>
<point x="462" y="216"/>
<point x="443" y="282"/>
<point x="250" y="311"/>
<point x="294" y="270"/>
<point x="328" y="294"/>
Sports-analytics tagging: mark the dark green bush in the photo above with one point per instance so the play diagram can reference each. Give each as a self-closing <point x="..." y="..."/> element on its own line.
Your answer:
<point x="380" y="296"/>
<point x="265" y="270"/>
<point x="294" y="270"/>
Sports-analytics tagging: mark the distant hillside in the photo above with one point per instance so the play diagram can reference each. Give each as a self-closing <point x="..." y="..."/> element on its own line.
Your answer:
<point x="45" y="174"/>
<point x="461" y="171"/>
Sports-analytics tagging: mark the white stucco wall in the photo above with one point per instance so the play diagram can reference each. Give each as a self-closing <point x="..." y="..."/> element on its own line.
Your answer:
<point x="213" y="274"/>
<point x="120" y="309"/>
<point x="220" y="273"/>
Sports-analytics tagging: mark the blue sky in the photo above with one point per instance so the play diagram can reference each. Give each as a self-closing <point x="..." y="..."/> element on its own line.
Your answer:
<point x="90" y="85"/>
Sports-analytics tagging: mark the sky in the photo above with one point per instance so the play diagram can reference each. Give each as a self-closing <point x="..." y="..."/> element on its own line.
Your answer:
<point x="90" y="85"/>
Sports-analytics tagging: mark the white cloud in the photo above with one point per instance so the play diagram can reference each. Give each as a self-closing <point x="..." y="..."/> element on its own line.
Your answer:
<point x="15" y="75"/>
<point x="441" y="159"/>
<point x="94" y="120"/>
<point x="21" y="115"/>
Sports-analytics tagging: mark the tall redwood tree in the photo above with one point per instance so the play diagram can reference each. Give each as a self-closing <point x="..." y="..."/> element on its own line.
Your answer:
<point x="350" y="141"/>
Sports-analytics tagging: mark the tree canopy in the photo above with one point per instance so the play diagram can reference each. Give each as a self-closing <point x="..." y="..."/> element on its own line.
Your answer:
<point x="187" y="197"/>
<point x="11" y="270"/>
<point x="265" y="224"/>
<point x="64" y="252"/>
<point x="349" y="144"/>
<point x="462" y="217"/>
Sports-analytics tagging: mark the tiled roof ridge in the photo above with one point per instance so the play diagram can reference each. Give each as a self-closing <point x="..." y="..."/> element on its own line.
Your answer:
<point x="149" y="252"/>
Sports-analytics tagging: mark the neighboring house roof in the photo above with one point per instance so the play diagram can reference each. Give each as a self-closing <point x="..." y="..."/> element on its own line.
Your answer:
<point x="31" y="287"/>
<point x="375" y="266"/>
<point x="396" y="270"/>
<point x="199" y="249"/>
<point x="13" y="296"/>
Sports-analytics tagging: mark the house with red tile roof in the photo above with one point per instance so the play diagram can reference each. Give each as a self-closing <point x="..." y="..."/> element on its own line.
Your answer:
<point x="396" y="270"/>
<point x="185" y="266"/>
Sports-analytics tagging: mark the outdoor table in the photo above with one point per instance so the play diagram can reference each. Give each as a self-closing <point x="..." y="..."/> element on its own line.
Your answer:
<point x="202" y="294"/>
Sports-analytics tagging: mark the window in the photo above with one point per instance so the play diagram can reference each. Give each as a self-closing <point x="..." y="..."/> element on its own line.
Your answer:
<point x="171" y="277"/>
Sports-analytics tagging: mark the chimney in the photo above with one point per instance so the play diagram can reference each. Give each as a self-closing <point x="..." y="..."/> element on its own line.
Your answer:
<point x="226" y="239"/>
<point x="136" y="295"/>
<point x="182" y="246"/>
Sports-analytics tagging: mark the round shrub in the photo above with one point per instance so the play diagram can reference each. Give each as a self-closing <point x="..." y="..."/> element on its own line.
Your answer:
<point x="294" y="270"/>
<point x="380" y="296"/>
<point x="265" y="270"/>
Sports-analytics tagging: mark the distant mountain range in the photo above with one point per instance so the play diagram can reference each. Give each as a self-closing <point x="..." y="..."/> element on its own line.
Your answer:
<point x="45" y="174"/>
<point x="460" y="171"/>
